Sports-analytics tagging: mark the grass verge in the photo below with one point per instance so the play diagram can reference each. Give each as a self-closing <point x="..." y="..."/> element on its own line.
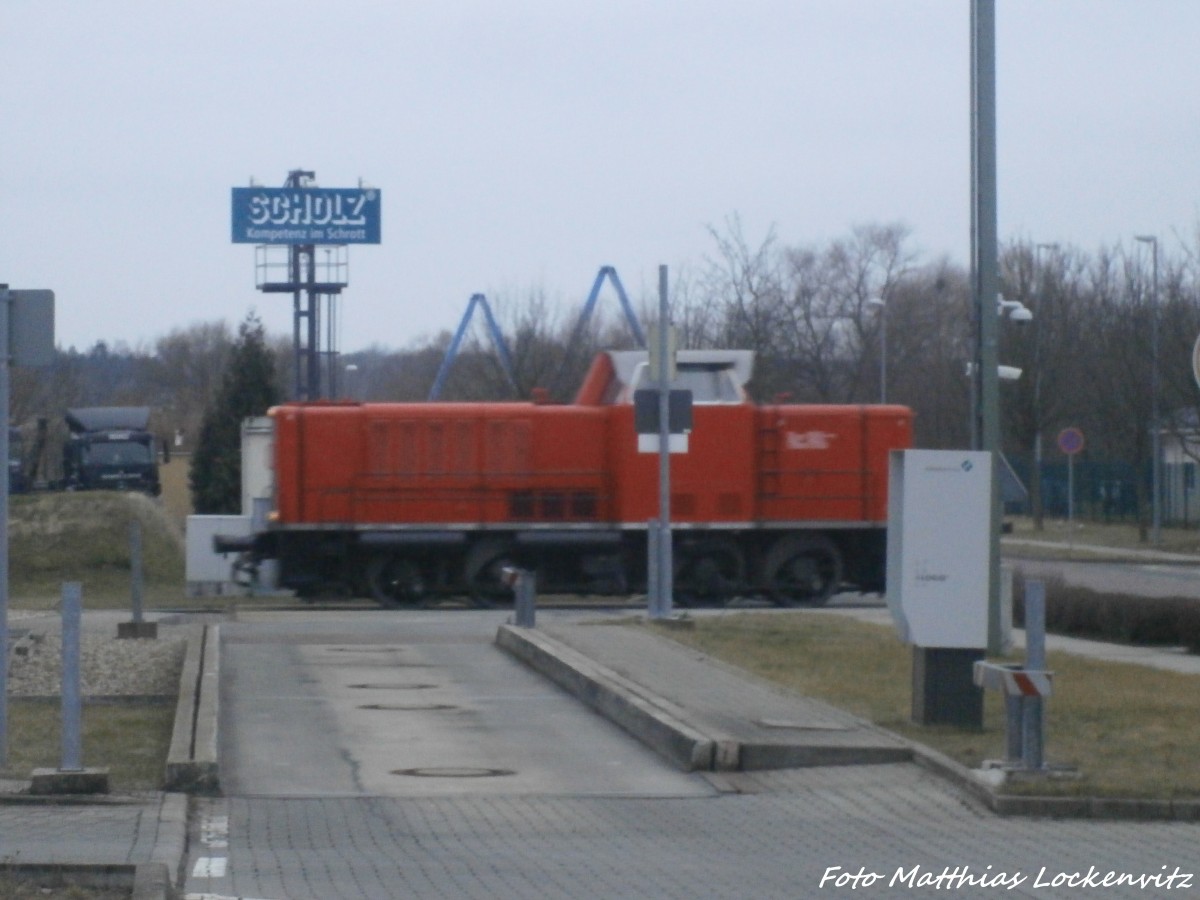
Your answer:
<point x="1060" y="539"/>
<point x="85" y="536"/>
<point x="1129" y="730"/>
<point x="130" y="740"/>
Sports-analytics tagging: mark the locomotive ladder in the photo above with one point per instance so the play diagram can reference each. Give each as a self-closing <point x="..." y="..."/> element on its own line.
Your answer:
<point x="768" y="472"/>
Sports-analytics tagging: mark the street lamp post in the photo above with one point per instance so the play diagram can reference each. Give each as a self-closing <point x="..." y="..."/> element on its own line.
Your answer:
<point x="1038" y="506"/>
<point x="1155" y="436"/>
<point x="881" y="305"/>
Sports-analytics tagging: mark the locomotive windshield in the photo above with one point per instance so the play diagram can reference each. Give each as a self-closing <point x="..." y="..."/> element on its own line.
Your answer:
<point x="708" y="382"/>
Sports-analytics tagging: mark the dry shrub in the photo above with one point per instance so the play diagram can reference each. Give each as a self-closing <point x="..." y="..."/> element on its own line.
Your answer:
<point x="1085" y="613"/>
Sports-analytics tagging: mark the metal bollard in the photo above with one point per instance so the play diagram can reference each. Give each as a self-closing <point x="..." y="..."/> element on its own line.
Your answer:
<point x="135" y="569"/>
<point x="524" y="586"/>
<point x="1024" y="688"/>
<point x="72" y="700"/>
<point x="1014" y="726"/>
<point x="137" y="627"/>
<point x="1033" y="714"/>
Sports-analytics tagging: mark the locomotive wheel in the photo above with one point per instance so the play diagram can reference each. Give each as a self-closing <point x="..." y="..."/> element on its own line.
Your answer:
<point x="395" y="583"/>
<point x="802" y="570"/>
<point x="483" y="574"/>
<point x="708" y="573"/>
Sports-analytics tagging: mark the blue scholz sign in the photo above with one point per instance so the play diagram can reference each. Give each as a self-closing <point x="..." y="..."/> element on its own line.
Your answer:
<point x="305" y="215"/>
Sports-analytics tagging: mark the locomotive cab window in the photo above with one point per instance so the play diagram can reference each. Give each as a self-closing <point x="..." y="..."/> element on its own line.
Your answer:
<point x="715" y="382"/>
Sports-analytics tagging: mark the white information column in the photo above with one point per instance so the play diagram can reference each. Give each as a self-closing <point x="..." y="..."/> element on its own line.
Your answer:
<point x="939" y="532"/>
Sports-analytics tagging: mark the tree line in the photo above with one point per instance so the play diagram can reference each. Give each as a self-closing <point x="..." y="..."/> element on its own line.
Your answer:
<point x="820" y="319"/>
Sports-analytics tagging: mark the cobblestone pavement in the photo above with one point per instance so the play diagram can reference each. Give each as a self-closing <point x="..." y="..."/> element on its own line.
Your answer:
<point x="771" y="834"/>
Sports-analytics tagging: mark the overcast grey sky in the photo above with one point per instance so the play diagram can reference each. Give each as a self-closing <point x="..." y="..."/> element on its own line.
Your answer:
<point x="525" y="143"/>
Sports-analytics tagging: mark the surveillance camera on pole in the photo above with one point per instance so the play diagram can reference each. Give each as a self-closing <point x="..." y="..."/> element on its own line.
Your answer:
<point x="1015" y="310"/>
<point x="1004" y="373"/>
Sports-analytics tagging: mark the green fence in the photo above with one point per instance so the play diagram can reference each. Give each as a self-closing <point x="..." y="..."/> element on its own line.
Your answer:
<point x="1104" y="491"/>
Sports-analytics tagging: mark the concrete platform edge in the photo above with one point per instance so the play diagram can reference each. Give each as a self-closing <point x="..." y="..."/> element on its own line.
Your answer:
<point x="639" y="712"/>
<point x="192" y="764"/>
<point x="614" y="697"/>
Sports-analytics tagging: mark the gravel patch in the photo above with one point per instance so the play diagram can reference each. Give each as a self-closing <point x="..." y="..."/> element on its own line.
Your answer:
<point x="109" y="667"/>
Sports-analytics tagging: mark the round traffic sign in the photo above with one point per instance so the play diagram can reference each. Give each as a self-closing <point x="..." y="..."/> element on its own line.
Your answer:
<point x="1196" y="361"/>
<point x="1070" y="441"/>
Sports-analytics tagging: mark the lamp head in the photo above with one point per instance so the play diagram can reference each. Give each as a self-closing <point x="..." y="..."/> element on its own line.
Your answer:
<point x="1014" y="309"/>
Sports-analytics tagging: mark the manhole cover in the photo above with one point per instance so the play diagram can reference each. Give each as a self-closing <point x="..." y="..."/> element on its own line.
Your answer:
<point x="349" y="665"/>
<point x="393" y="687"/>
<point x="389" y="664"/>
<point x="371" y="649"/>
<point x="802" y="726"/>
<point x="409" y="707"/>
<point x="453" y="772"/>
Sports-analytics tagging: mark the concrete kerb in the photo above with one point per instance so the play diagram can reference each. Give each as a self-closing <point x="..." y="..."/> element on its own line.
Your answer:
<point x="192" y="765"/>
<point x="670" y="730"/>
<point x="146" y="881"/>
<point x="170" y="851"/>
<point x="648" y="718"/>
<point x="657" y="723"/>
<point x="972" y="782"/>
<point x="154" y="879"/>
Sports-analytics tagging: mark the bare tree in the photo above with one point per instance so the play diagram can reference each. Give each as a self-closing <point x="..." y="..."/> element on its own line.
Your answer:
<point x="833" y="324"/>
<point x="929" y="326"/>
<point x="743" y="286"/>
<point x="1050" y="285"/>
<point x="185" y="370"/>
<point x="1117" y="365"/>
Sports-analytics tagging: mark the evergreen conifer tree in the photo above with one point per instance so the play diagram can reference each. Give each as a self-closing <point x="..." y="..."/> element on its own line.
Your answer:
<point x="248" y="388"/>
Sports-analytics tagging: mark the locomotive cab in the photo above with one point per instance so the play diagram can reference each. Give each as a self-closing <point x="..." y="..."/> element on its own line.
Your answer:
<point x="712" y="376"/>
<point x="707" y="382"/>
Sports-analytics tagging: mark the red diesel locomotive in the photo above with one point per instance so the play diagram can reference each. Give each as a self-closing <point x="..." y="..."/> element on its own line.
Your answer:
<point x="407" y="501"/>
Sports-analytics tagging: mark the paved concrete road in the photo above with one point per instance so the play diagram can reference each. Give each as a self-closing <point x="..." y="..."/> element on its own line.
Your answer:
<point x="778" y="840"/>
<point x="331" y="835"/>
<point x="1148" y="579"/>
<point x="330" y="704"/>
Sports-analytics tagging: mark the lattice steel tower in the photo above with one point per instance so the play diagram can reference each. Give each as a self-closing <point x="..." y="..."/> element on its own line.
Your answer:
<point x="315" y="285"/>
